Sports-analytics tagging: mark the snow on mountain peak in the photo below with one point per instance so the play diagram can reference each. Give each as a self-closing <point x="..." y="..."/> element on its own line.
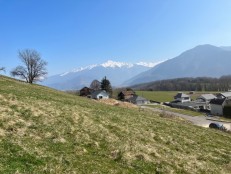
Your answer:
<point x="84" y="68"/>
<point x="149" y="64"/>
<point x="80" y="69"/>
<point x="113" y="64"/>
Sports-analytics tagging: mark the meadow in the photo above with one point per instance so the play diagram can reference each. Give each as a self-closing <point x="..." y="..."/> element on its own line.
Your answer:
<point x="167" y="96"/>
<point x="47" y="131"/>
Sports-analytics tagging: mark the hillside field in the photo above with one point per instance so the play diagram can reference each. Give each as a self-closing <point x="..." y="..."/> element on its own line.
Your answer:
<point x="47" y="131"/>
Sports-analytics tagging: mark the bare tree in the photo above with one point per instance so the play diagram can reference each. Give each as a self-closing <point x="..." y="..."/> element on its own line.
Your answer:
<point x="34" y="67"/>
<point x="2" y="69"/>
<point x="96" y="85"/>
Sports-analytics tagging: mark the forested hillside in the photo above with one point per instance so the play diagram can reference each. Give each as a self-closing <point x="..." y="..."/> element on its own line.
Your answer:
<point x="188" y="84"/>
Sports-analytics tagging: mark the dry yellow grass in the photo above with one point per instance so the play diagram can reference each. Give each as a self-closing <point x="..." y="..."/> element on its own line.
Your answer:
<point x="114" y="102"/>
<point x="47" y="131"/>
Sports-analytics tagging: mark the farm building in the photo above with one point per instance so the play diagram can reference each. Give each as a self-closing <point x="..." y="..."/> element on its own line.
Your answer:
<point x="135" y="99"/>
<point x="194" y="105"/>
<point x="181" y="97"/>
<point x="218" y="105"/>
<point x="85" y="91"/>
<point x="202" y="103"/>
<point x="206" y="97"/>
<point x="224" y="95"/>
<point x="126" y="94"/>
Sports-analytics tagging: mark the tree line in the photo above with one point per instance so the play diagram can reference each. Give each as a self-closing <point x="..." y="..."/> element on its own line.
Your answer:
<point x="188" y="84"/>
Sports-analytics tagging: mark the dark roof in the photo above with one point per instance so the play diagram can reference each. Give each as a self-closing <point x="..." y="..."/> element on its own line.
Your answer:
<point x="127" y="93"/>
<point x="217" y="101"/>
<point x="180" y="95"/>
<point x="85" y="88"/>
<point x="208" y="96"/>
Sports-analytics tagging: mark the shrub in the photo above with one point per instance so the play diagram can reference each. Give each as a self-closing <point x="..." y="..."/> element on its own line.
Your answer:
<point x="227" y="111"/>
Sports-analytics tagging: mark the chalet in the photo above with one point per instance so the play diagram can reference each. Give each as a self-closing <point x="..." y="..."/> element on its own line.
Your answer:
<point x="181" y="97"/>
<point x="85" y="91"/>
<point x="100" y="94"/>
<point x="206" y="98"/>
<point x="135" y="99"/>
<point x="126" y="94"/>
<point x="202" y="103"/>
<point x="218" y="104"/>
<point x="224" y="95"/>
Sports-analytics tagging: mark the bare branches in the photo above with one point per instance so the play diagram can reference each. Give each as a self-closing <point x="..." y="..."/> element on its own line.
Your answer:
<point x="34" y="67"/>
<point x="21" y="72"/>
<point x="3" y="69"/>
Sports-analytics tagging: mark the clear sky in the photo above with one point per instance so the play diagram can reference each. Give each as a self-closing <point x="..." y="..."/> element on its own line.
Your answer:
<point x="75" y="33"/>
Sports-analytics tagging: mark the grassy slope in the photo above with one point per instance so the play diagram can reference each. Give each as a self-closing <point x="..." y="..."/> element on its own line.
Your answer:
<point x="180" y="111"/>
<point x="46" y="131"/>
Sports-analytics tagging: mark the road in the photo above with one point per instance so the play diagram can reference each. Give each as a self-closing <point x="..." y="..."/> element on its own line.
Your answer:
<point x="197" y="120"/>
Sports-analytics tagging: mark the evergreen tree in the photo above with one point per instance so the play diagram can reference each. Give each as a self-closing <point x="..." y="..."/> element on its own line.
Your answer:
<point x="106" y="85"/>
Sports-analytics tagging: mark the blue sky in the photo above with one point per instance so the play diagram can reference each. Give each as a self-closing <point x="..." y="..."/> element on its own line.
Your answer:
<point x="75" y="33"/>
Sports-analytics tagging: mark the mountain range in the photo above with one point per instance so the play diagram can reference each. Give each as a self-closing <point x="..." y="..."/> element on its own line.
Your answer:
<point x="116" y="72"/>
<point x="201" y="61"/>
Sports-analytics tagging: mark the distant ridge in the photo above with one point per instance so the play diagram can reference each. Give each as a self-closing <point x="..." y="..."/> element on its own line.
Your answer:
<point x="201" y="61"/>
<point x="116" y="72"/>
<point x="187" y="84"/>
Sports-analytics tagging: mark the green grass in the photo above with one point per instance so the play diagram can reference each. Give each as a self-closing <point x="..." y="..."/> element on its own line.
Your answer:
<point x="47" y="131"/>
<point x="166" y="96"/>
<point x="180" y="111"/>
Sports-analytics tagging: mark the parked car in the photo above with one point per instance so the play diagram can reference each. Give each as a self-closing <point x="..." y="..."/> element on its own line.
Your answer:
<point x="209" y="115"/>
<point x="217" y="126"/>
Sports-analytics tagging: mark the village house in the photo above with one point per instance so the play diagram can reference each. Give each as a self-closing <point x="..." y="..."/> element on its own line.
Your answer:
<point x="85" y="92"/>
<point x="202" y="103"/>
<point x="100" y="94"/>
<point x="135" y="99"/>
<point x="126" y="94"/>
<point x="224" y="95"/>
<point x="206" y="98"/>
<point x="218" y="104"/>
<point x="181" y="97"/>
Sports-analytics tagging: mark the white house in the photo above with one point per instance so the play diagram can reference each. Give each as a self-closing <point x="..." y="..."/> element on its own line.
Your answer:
<point x="100" y="94"/>
<point x="181" y="97"/>
<point x="206" y="97"/>
<point x="224" y="95"/>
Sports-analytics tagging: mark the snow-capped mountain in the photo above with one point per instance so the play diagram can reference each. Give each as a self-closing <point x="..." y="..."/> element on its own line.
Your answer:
<point x="201" y="61"/>
<point x="116" y="72"/>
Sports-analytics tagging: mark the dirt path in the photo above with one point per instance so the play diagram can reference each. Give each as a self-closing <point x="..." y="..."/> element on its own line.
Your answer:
<point x="197" y="120"/>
